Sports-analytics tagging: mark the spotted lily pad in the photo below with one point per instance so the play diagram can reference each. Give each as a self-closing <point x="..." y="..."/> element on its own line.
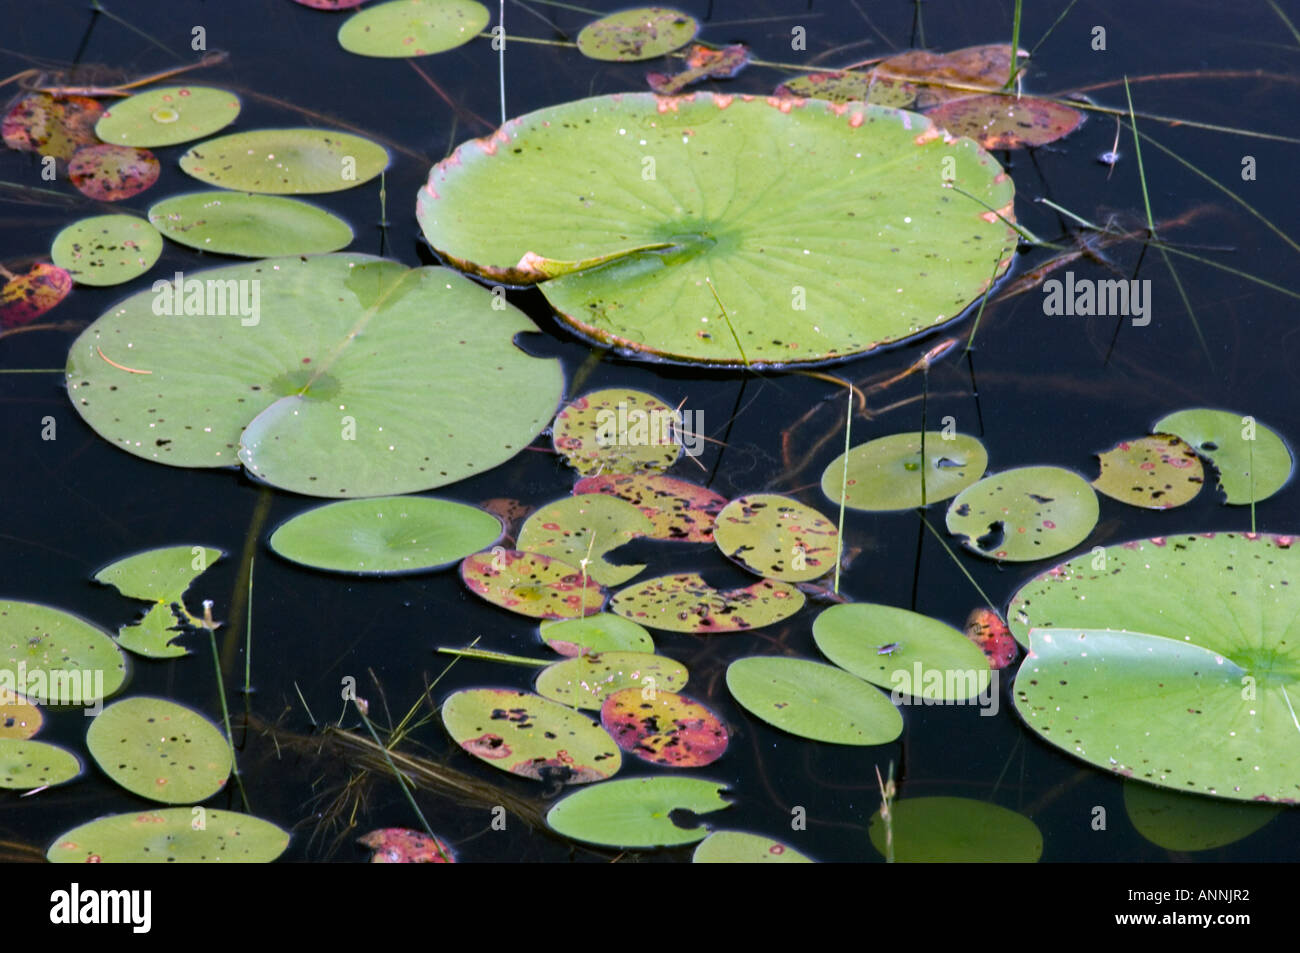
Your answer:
<point x="618" y="431"/>
<point x="578" y="528"/>
<point x="398" y="845"/>
<point x="19" y="718"/>
<point x="267" y="364"/>
<point x="813" y="700"/>
<point x="531" y="584"/>
<point x="957" y="830"/>
<point x="111" y="173"/>
<point x="1234" y="444"/>
<point x="529" y="736"/>
<point x="913" y="655"/>
<point x="738" y="847"/>
<point x="640" y="34"/>
<point x="1007" y="122"/>
<point x="167" y="115"/>
<point x="1156" y="473"/>
<point x="171" y="835"/>
<point x="634" y="210"/>
<point x="885" y="473"/>
<point x="686" y="603"/>
<point x="405" y="28"/>
<point x="776" y="537"/>
<point x="55" y="658"/>
<point x="678" y="509"/>
<point x="847" y="86"/>
<point x="952" y="75"/>
<point x="53" y="127"/>
<point x="1184" y="822"/>
<point x="330" y="4"/>
<point x="388" y="535"/>
<point x="251" y="226"/>
<point x="636" y="812"/>
<point x="702" y="62"/>
<point x="586" y="681"/>
<point x="1023" y="514"/>
<point x="160" y="576"/>
<point x="160" y="750"/>
<point x="664" y="728"/>
<point x="27" y="296"/>
<point x="106" y="249"/>
<point x="26" y="765"/>
<point x="603" y="632"/>
<point x="286" y="161"/>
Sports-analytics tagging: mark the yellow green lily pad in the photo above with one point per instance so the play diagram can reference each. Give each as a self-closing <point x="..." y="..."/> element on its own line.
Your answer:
<point x="686" y="603"/>
<point x="107" y="249"/>
<point x="1024" y="514"/>
<point x="640" y="34"/>
<point x="776" y="537"/>
<point x="167" y="115"/>
<point x="171" y="835"/>
<point x="1157" y="472"/>
<point x="885" y="473"/>
<point x="618" y="431"/>
<point x="1252" y="460"/>
<point x="531" y="584"/>
<point x="678" y="509"/>
<point x="27" y="765"/>
<point x="286" y="161"/>
<point x="587" y="680"/>
<point x="586" y="527"/>
<point x="406" y="28"/>
<point x="602" y="632"/>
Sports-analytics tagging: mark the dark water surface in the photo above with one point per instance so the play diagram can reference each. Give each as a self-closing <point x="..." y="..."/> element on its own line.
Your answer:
<point x="1048" y="393"/>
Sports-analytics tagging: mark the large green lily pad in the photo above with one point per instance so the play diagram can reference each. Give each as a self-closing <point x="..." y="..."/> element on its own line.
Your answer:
<point x="640" y="34"/>
<point x="1024" y="514"/>
<point x="1236" y="446"/>
<point x="106" y="249"/>
<point x="635" y="812"/>
<point x="586" y="527"/>
<point x="54" y="658"/>
<point x="541" y="587"/>
<point x="957" y="830"/>
<point x="686" y="603"/>
<point x="167" y="115"/>
<point x="603" y="632"/>
<point x="618" y="431"/>
<point x="405" y="28"/>
<point x="336" y="375"/>
<point x="824" y="230"/>
<point x="251" y="226"/>
<point x="160" y="576"/>
<point x="1156" y="472"/>
<point x="885" y="473"/>
<point x="171" y="835"/>
<point x="587" y="680"/>
<point x="26" y="765"/>
<point x="739" y="847"/>
<point x="776" y="537"/>
<point x="678" y="509"/>
<point x="286" y="161"/>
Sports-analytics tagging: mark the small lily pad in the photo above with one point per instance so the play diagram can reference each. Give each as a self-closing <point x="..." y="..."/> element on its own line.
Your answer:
<point x="19" y="718"/>
<point x="1234" y="443"/>
<point x="702" y="62"/>
<point x="1156" y="473"/>
<point x="636" y="812"/>
<point x="107" y="249"/>
<point x="154" y="636"/>
<point x="885" y="473"/>
<point x="111" y="173"/>
<point x="940" y="77"/>
<point x="251" y="226"/>
<point x="385" y="535"/>
<point x="531" y="584"/>
<point x="586" y="681"/>
<point x="738" y="847"/>
<point x="64" y="660"/>
<point x="27" y="296"/>
<point x="399" y="845"/>
<point x="26" y="765"/>
<point x="678" y="509"/>
<point x="849" y="86"/>
<point x="168" y="115"/>
<point x="664" y="728"/>
<point x="1024" y="514"/>
<point x="1007" y="122"/>
<point x="1185" y="822"/>
<point x="586" y="527"/>
<point x="776" y="537"/>
<point x="813" y="700"/>
<point x="405" y="28"/>
<point x="286" y="161"/>
<point x="618" y="431"/>
<point x="530" y="736"/>
<point x="160" y="576"/>
<point x="640" y="34"/>
<point x="330" y="4"/>
<point x="603" y="632"/>
<point x="171" y="835"/>
<point x="988" y="632"/>
<point x="957" y="830"/>
<point x="686" y="603"/>
<point x="52" y="127"/>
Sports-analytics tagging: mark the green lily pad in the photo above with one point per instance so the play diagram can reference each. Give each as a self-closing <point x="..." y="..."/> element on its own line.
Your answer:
<point x="1157" y="472"/>
<point x="813" y="700"/>
<point x="52" y="127"/>
<point x="776" y="537"/>
<point x="160" y="576"/>
<point x="392" y="534"/>
<point x="154" y="636"/>
<point x="677" y="509"/>
<point x="405" y="28"/>
<point x="1023" y="514"/>
<point x="618" y="431"/>
<point x="1007" y="122"/>
<point x="106" y="249"/>
<point x="335" y="375"/>
<point x="529" y="736"/>
<point x="885" y="473"/>
<point x="848" y="86"/>
<point x="664" y="728"/>
<point x="738" y="847"/>
<point x="823" y="229"/>
<point x="19" y="718"/>
<point x="111" y="173"/>
<point x="27" y="296"/>
<point x="26" y="765"/>
<point x="635" y="812"/>
<point x="167" y="115"/>
<point x="957" y="830"/>
<point x="640" y="34"/>
<point x="586" y="527"/>
<point x="55" y="658"/>
<point x="286" y="161"/>
<point x="602" y="632"/>
<point x="251" y="226"/>
<point x="531" y="584"/>
<point x="171" y="835"/>
<point x="160" y="750"/>
<point x="1184" y="822"/>
<point x="686" y="603"/>
<point x="1222" y="438"/>
<point x="586" y="681"/>
<point x="911" y="654"/>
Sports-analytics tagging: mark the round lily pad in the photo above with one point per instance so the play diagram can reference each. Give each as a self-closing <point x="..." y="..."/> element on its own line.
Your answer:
<point x="885" y="473"/>
<point x="776" y="537"/>
<point x="640" y="34"/>
<point x="107" y="249"/>
<point x="686" y="603"/>
<point x="1235" y="445"/>
<point x="386" y="535"/>
<point x="1184" y="822"/>
<point x="335" y="375"/>
<point x="111" y="173"/>
<point x="171" y="835"/>
<point x="251" y="226"/>
<point x="636" y="812"/>
<point x="26" y="765"/>
<point x="738" y="847"/>
<point x="849" y="86"/>
<point x="813" y="700"/>
<point x="529" y="736"/>
<point x="677" y="509"/>
<point x="664" y="728"/>
<point x="1157" y="472"/>
<point x="286" y="161"/>
<point x="1007" y="122"/>
<point x="27" y="296"/>
<point x="1023" y="514"/>
<point x="19" y="718"/>
<point x="404" y="28"/>
<point x="603" y="632"/>
<point x="55" y="658"/>
<point x="330" y="4"/>
<point x="822" y="229"/>
<point x="957" y="830"/>
<point x="160" y="750"/>
<point x="586" y="681"/>
<point x="911" y="654"/>
<point x="52" y="127"/>
<point x="618" y="431"/>
<point x="167" y="115"/>
<point x="578" y="528"/>
<point x="531" y="584"/>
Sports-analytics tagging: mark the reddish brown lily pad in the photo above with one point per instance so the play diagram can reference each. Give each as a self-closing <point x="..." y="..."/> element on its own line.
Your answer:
<point x="664" y="728"/>
<point x="702" y="62"/>
<point x="532" y="584"/>
<point x="112" y="173"/>
<point x="330" y="5"/>
<point x="678" y="509"/>
<point x="52" y="127"/>
<point x="1007" y="122"/>
<point x="397" y="845"/>
<point x="1156" y="472"/>
<point x="989" y="632"/>
<point x="686" y="603"/>
<point x="940" y="76"/>
<point x="27" y="296"/>
<point x="851" y="86"/>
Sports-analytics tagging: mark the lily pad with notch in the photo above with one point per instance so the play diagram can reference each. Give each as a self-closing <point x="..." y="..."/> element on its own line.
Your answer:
<point x="776" y="537"/>
<point x="531" y="584"/>
<point x="637" y="812"/>
<point x="27" y="765"/>
<point x="1007" y="122"/>
<point x="1157" y="472"/>
<point x="686" y="603"/>
<point x="677" y="509"/>
<point x="51" y="127"/>
<point x="1253" y="461"/>
<point x="581" y="529"/>
<point x="885" y="473"/>
<point x="602" y="632"/>
<point x="160" y="576"/>
<point x="27" y="296"/>
<point x="111" y="173"/>
<point x="1024" y="514"/>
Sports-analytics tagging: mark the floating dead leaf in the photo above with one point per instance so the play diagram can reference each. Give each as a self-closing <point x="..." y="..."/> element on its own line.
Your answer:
<point x="27" y="296"/>
<point x="1007" y="122"/>
<point x="112" y="173"/>
<point x="850" y="86"/>
<point x="702" y="62"/>
<point x="945" y="76"/>
<point x="397" y="845"/>
<point x="52" y="127"/>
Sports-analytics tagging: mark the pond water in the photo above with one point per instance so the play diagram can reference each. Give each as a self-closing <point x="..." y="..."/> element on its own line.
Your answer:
<point x="1038" y="389"/>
